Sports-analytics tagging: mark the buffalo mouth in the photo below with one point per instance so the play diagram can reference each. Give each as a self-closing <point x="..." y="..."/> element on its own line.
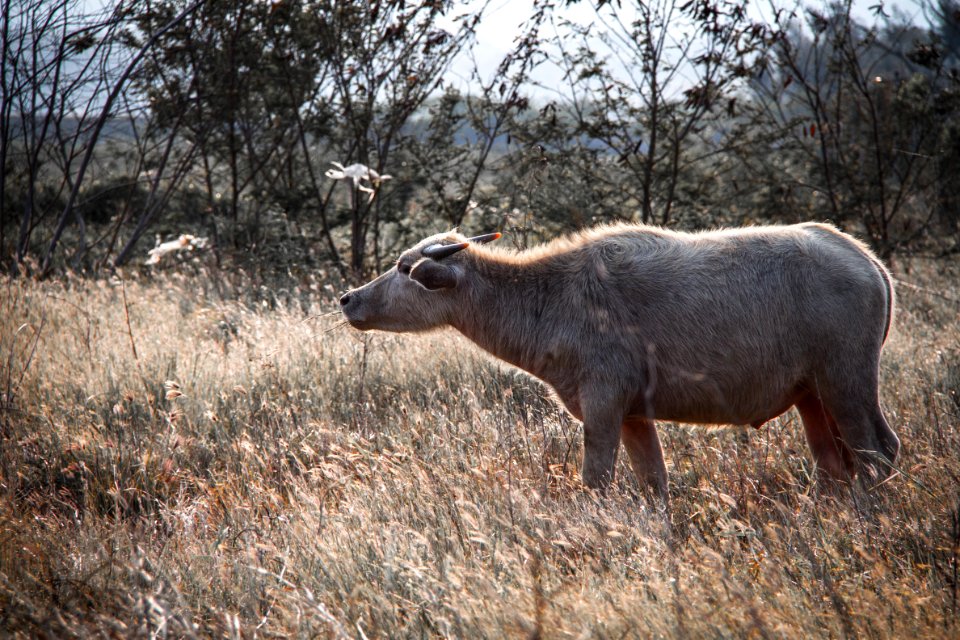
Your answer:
<point x="355" y="318"/>
<point x="350" y="308"/>
<point x="359" y="323"/>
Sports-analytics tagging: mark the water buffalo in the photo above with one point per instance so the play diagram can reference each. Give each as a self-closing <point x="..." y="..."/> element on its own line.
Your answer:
<point x="630" y="324"/>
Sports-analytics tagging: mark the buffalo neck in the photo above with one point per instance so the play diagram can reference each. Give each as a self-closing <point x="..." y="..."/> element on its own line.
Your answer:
<point x="502" y="311"/>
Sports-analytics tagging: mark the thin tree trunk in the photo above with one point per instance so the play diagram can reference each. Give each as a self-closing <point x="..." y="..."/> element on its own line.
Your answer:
<point x="5" y="108"/>
<point x="101" y="121"/>
<point x="153" y="204"/>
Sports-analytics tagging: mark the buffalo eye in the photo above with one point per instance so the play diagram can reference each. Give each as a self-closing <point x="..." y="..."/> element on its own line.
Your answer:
<point x="403" y="268"/>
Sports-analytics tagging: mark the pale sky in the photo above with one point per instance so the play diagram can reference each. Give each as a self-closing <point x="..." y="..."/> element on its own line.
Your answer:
<point x="497" y="32"/>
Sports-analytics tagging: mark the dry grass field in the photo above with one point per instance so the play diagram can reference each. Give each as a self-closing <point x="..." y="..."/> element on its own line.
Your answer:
<point x="201" y="456"/>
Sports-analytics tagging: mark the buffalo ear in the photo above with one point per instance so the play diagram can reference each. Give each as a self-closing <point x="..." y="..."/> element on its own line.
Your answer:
<point x="433" y="275"/>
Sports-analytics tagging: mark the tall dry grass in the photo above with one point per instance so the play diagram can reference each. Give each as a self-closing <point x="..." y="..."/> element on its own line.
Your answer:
<point x="200" y="456"/>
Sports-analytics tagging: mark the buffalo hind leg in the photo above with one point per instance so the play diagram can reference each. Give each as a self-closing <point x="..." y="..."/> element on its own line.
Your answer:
<point x="639" y="437"/>
<point x="868" y="440"/>
<point x="888" y="440"/>
<point x="832" y="456"/>
<point x="865" y="431"/>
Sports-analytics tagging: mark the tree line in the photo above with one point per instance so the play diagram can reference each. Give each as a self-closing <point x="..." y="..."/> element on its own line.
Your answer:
<point x="144" y="120"/>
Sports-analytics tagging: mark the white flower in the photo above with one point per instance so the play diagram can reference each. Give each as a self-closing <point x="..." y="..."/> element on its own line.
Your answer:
<point x="357" y="173"/>
<point x="185" y="242"/>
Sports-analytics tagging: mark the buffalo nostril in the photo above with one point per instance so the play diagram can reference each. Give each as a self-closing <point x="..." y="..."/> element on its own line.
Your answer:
<point x="345" y="300"/>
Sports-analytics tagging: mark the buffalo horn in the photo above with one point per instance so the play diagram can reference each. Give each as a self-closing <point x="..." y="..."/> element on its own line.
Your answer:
<point x="485" y="238"/>
<point x="441" y="251"/>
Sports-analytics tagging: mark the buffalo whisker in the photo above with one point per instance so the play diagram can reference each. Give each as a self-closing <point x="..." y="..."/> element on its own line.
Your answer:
<point x="339" y="325"/>
<point x="322" y="315"/>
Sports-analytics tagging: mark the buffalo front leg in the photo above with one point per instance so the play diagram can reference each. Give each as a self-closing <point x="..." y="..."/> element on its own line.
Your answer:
<point x="640" y="439"/>
<point x="601" y="439"/>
